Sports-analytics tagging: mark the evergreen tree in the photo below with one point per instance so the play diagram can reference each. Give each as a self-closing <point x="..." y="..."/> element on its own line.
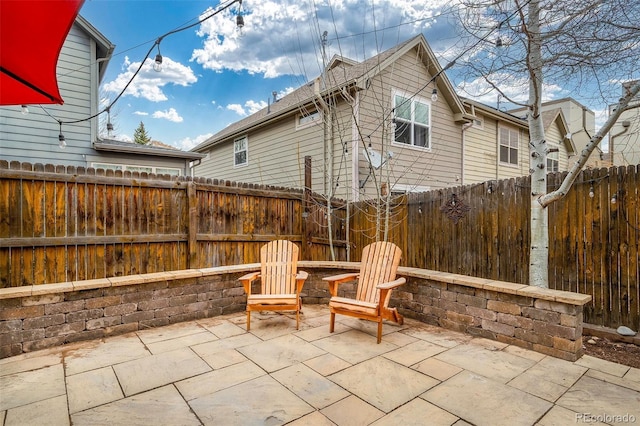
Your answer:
<point x="140" y="136"/>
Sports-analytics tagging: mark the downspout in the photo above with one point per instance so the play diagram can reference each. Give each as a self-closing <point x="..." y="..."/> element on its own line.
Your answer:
<point x="191" y="165"/>
<point x="464" y="128"/>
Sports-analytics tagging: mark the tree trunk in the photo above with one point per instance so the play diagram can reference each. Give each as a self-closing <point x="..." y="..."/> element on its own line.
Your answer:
<point x="539" y="248"/>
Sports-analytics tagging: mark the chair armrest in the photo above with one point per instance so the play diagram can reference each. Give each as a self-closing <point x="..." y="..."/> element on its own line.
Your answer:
<point x="339" y="279"/>
<point x="301" y="277"/>
<point x="247" y="279"/>
<point x="342" y="278"/>
<point x="392" y="284"/>
<point x="385" y="291"/>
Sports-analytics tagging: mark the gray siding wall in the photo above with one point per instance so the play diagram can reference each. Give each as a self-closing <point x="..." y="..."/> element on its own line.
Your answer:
<point x="34" y="137"/>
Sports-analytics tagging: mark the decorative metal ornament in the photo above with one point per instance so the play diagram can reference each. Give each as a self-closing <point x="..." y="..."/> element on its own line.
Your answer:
<point x="454" y="208"/>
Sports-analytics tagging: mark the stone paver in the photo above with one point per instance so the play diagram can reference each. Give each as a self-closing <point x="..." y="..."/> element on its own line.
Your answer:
<point x="280" y="352"/>
<point x="494" y="364"/>
<point x="162" y="406"/>
<point x="482" y="401"/>
<point x="417" y="412"/>
<point x="211" y="371"/>
<point x="31" y="386"/>
<point x="383" y="383"/>
<point x="92" y="388"/>
<point x="47" y="412"/>
<point x="157" y="370"/>
<point x="597" y="397"/>
<point x="352" y="411"/>
<point x="259" y="401"/>
<point x="312" y="387"/>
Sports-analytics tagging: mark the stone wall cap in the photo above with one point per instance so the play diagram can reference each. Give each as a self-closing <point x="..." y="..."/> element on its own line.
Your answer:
<point x="13" y="292"/>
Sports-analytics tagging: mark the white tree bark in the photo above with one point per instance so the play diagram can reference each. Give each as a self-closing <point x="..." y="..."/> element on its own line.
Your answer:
<point x="539" y="225"/>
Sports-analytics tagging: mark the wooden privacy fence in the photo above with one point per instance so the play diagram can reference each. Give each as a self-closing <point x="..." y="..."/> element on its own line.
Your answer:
<point x="593" y="242"/>
<point x="62" y="224"/>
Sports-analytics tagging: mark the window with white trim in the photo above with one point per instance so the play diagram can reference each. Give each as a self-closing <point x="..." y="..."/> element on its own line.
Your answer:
<point x="509" y="143"/>
<point x="240" y="151"/>
<point x="307" y="119"/>
<point x="553" y="160"/>
<point x="412" y="121"/>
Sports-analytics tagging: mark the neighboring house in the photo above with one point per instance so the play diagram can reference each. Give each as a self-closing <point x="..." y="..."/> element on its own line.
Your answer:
<point x="496" y="144"/>
<point x="372" y="127"/>
<point x="33" y="137"/>
<point x="379" y="112"/>
<point x="580" y="121"/>
<point x="624" y="137"/>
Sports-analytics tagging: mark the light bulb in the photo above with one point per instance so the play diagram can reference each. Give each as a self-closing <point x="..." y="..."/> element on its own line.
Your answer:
<point x="591" y="193"/>
<point x="157" y="65"/>
<point x="434" y="95"/>
<point x="498" y="42"/>
<point x="62" y="143"/>
<point x="24" y="110"/>
<point x="614" y="199"/>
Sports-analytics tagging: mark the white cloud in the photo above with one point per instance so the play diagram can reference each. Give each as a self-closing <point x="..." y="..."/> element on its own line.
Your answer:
<point x="187" y="143"/>
<point x="515" y="89"/>
<point x="171" y="115"/>
<point x="283" y="37"/>
<point x="148" y="83"/>
<point x="249" y="107"/>
<point x="237" y="108"/>
<point x="140" y="113"/>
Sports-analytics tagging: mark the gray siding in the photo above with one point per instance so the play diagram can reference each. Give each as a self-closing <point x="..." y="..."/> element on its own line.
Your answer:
<point x="34" y="137"/>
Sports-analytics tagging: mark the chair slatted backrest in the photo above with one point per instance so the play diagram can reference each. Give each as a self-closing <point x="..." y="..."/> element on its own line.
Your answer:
<point x="379" y="264"/>
<point x="279" y="261"/>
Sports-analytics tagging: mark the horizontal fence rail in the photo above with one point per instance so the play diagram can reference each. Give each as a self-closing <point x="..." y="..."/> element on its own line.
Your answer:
<point x="62" y="224"/>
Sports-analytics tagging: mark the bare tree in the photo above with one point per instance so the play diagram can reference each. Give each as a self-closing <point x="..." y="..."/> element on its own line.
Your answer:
<point x="587" y="47"/>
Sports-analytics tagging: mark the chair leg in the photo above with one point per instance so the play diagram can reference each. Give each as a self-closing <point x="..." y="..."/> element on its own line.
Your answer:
<point x="297" y="319"/>
<point x="248" y="320"/>
<point x="331" y="323"/>
<point x="380" y="330"/>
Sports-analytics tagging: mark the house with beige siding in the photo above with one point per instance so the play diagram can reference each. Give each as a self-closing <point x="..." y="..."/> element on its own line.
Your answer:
<point x="496" y="143"/>
<point x="374" y="127"/>
<point x="368" y="127"/>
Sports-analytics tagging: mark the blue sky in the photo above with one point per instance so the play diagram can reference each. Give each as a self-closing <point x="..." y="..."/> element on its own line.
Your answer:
<point x="213" y="75"/>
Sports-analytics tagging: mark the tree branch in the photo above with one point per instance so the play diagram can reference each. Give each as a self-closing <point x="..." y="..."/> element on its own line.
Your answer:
<point x="571" y="177"/>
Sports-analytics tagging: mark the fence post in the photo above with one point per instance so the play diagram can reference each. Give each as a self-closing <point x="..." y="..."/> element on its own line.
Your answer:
<point x="192" y="239"/>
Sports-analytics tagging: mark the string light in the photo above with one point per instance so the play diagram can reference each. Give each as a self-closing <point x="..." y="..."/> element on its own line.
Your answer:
<point x="62" y="143"/>
<point x="591" y="193"/>
<point x="157" y="66"/>
<point x="434" y="95"/>
<point x="614" y="199"/>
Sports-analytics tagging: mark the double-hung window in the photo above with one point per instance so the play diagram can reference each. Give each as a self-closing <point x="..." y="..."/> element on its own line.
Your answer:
<point x="412" y="120"/>
<point x="240" y="148"/>
<point x="553" y="160"/>
<point x="509" y="143"/>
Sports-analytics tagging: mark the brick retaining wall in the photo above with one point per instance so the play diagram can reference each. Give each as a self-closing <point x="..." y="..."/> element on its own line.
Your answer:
<point x="37" y="317"/>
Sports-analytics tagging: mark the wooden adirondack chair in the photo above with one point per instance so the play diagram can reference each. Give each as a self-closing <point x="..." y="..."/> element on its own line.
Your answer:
<point x="281" y="282"/>
<point x="376" y="279"/>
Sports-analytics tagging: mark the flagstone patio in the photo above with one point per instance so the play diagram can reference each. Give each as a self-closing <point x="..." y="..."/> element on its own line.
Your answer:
<point x="212" y="372"/>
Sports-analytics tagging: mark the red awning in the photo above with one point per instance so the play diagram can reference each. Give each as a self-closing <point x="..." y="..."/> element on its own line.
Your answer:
<point x="31" y="36"/>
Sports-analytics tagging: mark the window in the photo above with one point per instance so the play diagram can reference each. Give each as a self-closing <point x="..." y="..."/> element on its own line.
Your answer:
<point x="308" y="118"/>
<point x="240" y="151"/>
<point x="509" y="143"/>
<point x="553" y="160"/>
<point x="478" y="123"/>
<point x="412" y="119"/>
<point x="142" y="169"/>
